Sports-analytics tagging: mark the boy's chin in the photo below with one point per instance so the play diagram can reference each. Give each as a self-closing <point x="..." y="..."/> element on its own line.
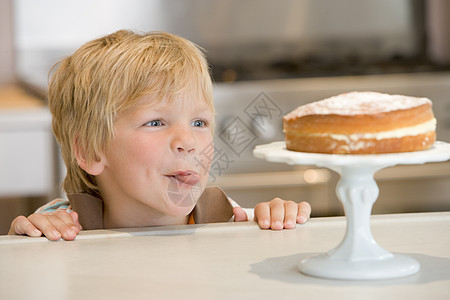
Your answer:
<point x="184" y="198"/>
<point x="181" y="211"/>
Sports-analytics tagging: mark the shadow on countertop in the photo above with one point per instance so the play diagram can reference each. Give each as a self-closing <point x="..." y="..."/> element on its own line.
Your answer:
<point x="285" y="269"/>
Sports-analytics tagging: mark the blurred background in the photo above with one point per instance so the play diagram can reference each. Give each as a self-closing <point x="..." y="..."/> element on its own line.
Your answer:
<point x="266" y="58"/>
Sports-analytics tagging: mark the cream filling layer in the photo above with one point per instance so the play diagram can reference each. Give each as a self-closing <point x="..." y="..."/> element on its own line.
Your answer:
<point x="397" y="133"/>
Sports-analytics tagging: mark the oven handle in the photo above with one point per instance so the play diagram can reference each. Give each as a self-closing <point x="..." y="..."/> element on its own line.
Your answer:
<point x="314" y="176"/>
<point x="426" y="171"/>
<point x="307" y="177"/>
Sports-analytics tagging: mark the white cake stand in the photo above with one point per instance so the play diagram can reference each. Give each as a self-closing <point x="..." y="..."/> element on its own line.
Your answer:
<point x="358" y="256"/>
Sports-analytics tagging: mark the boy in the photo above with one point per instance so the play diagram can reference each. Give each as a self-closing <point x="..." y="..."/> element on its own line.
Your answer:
<point x="132" y="113"/>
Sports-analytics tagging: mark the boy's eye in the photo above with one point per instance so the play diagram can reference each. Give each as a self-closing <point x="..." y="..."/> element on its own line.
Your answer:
<point x="199" y="123"/>
<point x="154" y="123"/>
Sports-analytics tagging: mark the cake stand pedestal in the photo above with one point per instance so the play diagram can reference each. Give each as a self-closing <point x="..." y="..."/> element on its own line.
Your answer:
<point x="358" y="256"/>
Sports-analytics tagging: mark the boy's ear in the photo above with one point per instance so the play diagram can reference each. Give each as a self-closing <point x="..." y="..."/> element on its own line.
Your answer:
<point x="92" y="167"/>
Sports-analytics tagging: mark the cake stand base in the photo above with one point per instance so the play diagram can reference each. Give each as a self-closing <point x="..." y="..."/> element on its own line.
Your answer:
<point x="325" y="266"/>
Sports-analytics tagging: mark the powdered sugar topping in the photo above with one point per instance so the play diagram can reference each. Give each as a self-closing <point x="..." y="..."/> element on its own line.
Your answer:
<point x="357" y="103"/>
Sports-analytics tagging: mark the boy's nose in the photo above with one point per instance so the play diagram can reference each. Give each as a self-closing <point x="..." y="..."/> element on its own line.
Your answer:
<point x="183" y="142"/>
<point x="181" y="149"/>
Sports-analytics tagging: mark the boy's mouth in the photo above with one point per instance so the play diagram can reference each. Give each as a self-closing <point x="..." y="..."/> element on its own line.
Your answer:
<point x="185" y="177"/>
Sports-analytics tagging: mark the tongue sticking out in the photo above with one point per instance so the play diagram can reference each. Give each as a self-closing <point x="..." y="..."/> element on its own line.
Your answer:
<point x="187" y="178"/>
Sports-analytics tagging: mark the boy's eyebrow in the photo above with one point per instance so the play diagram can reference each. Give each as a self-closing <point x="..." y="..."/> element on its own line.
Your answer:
<point x="161" y="108"/>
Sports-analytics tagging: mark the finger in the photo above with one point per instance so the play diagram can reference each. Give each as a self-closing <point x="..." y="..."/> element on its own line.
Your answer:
<point x="63" y="223"/>
<point x="70" y="219"/>
<point x="290" y="214"/>
<point x="21" y="225"/>
<point x="75" y="220"/>
<point x="277" y="214"/>
<point x="262" y="215"/>
<point x="43" y="223"/>
<point x="304" y="212"/>
<point x="239" y="214"/>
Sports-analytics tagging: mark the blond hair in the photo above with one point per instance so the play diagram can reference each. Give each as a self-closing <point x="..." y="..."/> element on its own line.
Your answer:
<point x="107" y="75"/>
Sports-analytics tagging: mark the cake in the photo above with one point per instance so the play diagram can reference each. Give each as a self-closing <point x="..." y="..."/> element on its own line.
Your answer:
<point x="361" y="123"/>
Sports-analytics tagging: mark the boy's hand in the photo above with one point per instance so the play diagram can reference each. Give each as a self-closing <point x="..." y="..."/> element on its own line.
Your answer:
<point x="278" y="214"/>
<point x="54" y="226"/>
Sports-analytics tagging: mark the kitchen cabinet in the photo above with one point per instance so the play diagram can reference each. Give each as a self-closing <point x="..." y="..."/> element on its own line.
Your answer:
<point x="27" y="161"/>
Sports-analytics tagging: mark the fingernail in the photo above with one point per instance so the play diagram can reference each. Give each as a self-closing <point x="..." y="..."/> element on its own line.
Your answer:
<point x="289" y="224"/>
<point x="69" y="235"/>
<point x="277" y="225"/>
<point x="55" y="234"/>
<point x="36" y="232"/>
<point x="302" y="219"/>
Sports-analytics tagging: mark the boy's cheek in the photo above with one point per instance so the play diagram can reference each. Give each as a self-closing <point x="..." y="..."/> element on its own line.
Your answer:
<point x="204" y="158"/>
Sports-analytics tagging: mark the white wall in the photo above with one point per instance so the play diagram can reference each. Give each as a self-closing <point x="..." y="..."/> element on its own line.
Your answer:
<point x="47" y="24"/>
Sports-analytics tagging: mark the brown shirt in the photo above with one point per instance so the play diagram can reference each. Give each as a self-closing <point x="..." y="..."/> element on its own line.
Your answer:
<point x="212" y="207"/>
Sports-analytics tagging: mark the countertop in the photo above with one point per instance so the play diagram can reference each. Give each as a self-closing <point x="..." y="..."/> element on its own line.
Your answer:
<point x="220" y="261"/>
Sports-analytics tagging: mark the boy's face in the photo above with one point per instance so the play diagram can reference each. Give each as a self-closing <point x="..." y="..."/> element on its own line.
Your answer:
<point x="159" y="160"/>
